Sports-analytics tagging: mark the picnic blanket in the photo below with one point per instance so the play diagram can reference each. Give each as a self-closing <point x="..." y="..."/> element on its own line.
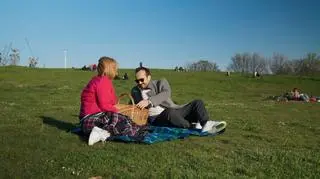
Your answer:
<point x="158" y="134"/>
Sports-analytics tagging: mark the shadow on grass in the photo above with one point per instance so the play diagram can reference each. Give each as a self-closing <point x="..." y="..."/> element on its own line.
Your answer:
<point x="75" y="115"/>
<point x="62" y="125"/>
<point x="65" y="126"/>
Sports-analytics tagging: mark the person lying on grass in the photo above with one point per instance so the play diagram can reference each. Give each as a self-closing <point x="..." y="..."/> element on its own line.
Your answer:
<point x="156" y="96"/>
<point x="296" y="95"/>
<point x="99" y="118"/>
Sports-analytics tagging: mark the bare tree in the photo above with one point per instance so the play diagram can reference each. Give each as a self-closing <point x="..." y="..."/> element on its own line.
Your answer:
<point x="202" y="65"/>
<point x="5" y="54"/>
<point x="310" y="64"/>
<point x="236" y="63"/>
<point x="14" y="56"/>
<point x="278" y="64"/>
<point x="33" y="61"/>
<point x="267" y="68"/>
<point x="247" y="63"/>
<point x="258" y="63"/>
<point x="246" y="58"/>
<point x="1" y="58"/>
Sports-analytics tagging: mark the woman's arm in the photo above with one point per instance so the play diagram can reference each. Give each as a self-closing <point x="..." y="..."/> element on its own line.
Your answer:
<point x="106" y="96"/>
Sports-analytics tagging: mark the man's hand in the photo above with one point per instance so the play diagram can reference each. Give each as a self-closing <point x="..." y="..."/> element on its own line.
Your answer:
<point x="142" y="104"/>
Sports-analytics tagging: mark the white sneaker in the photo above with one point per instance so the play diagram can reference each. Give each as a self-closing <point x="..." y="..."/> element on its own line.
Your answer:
<point x="198" y="126"/>
<point x="97" y="134"/>
<point x="213" y="127"/>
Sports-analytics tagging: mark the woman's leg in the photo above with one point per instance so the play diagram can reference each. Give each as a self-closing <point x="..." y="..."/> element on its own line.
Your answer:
<point x="122" y="125"/>
<point x="115" y="123"/>
<point x="100" y="120"/>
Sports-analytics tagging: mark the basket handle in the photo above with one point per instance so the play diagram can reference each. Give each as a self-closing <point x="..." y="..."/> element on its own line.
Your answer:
<point x="123" y="95"/>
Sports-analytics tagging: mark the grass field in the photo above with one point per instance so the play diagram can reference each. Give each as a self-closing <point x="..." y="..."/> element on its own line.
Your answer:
<point x="263" y="139"/>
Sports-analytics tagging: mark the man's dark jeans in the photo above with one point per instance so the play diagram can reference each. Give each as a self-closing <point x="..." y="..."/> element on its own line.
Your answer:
<point x="193" y="112"/>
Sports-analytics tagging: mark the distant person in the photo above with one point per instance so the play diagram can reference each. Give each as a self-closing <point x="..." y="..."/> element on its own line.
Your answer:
<point x="256" y="74"/>
<point x="298" y="96"/>
<point x="99" y="118"/>
<point x="295" y="94"/>
<point x="84" y="68"/>
<point x="156" y="95"/>
<point x="94" y="67"/>
<point x="125" y="76"/>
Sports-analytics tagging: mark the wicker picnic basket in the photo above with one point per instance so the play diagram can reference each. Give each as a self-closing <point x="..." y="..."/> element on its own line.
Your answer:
<point x="138" y="116"/>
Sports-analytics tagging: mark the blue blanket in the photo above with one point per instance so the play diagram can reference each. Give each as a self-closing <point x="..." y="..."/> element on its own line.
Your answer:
<point x="160" y="134"/>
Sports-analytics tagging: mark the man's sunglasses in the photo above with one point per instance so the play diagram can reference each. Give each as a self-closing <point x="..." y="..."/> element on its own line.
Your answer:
<point x="139" y="80"/>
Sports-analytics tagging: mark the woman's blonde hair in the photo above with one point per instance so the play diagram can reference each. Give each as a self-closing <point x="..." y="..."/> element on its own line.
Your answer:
<point x="107" y="66"/>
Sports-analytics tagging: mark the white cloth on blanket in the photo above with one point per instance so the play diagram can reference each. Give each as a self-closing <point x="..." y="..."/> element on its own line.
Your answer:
<point x="153" y="111"/>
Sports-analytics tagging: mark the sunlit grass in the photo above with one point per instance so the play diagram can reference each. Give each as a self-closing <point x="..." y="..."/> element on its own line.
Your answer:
<point x="263" y="139"/>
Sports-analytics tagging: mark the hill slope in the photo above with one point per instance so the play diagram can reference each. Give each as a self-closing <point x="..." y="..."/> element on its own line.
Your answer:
<point x="263" y="138"/>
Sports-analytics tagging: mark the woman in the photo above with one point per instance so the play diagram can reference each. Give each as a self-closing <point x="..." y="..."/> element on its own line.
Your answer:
<point x="99" y="117"/>
<point x="295" y="94"/>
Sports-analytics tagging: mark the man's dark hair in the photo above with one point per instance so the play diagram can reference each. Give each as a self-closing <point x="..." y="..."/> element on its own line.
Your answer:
<point x="146" y="70"/>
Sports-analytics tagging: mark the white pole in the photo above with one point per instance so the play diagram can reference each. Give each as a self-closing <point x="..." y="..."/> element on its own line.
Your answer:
<point x="65" y="59"/>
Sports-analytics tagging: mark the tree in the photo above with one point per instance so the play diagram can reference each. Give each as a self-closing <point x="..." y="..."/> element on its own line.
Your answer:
<point x="203" y="65"/>
<point x="181" y="69"/>
<point x="279" y="64"/>
<point x="14" y="57"/>
<point x="236" y="63"/>
<point x="4" y="56"/>
<point x="176" y="68"/>
<point x="310" y="64"/>
<point x="258" y="63"/>
<point x="247" y="63"/>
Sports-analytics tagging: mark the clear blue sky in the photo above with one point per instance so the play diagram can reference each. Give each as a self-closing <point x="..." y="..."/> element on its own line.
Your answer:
<point x="160" y="33"/>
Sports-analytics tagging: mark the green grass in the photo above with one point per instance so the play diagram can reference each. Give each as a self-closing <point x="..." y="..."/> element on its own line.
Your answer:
<point x="263" y="139"/>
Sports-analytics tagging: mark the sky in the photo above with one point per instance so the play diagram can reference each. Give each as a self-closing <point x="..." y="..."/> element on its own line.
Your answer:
<point x="158" y="33"/>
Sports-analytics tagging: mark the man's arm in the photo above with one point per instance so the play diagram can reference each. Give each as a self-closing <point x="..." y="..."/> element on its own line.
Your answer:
<point x="136" y="95"/>
<point x="164" y="92"/>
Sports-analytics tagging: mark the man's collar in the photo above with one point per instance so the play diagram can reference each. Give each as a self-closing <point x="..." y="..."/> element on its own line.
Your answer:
<point x="149" y="84"/>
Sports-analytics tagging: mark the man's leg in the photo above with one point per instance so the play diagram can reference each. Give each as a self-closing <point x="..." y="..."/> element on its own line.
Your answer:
<point x="171" y="118"/>
<point x="194" y="112"/>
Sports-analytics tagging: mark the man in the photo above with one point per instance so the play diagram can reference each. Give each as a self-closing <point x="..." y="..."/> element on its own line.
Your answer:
<point x="156" y="96"/>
